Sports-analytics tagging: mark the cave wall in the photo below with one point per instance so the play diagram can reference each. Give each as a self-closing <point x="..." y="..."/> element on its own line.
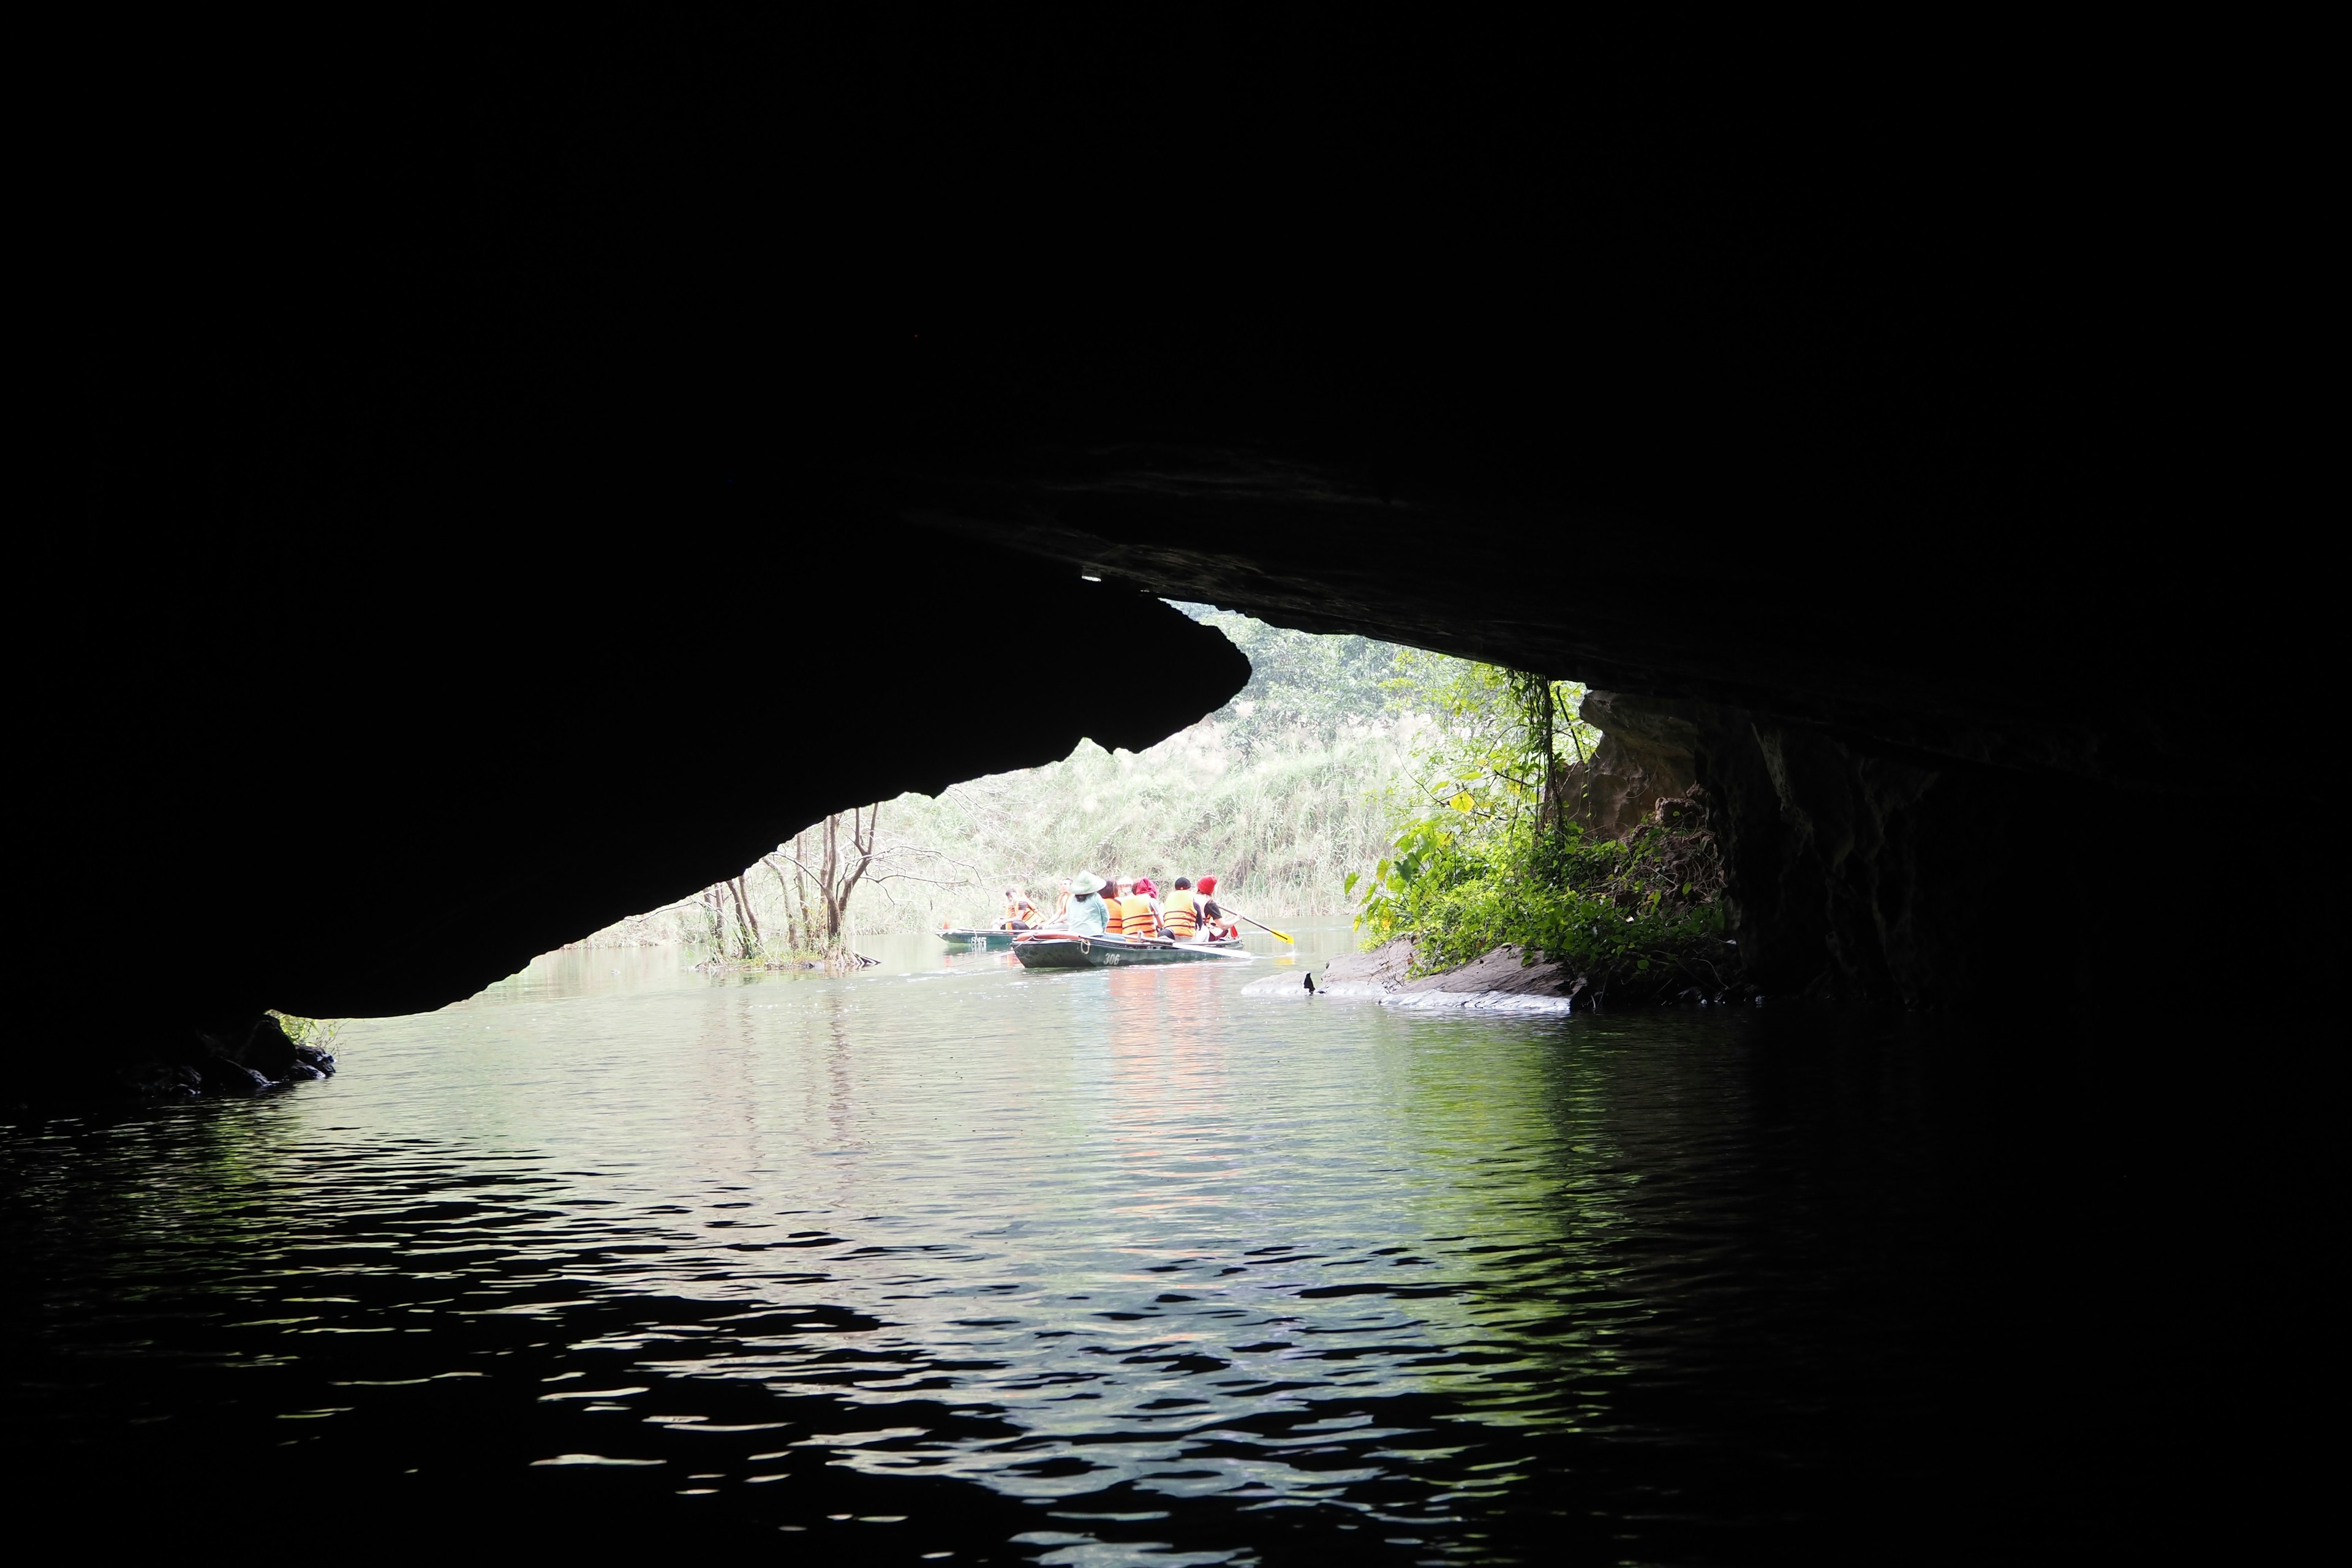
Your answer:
<point x="1634" y="766"/>
<point x="1856" y="873"/>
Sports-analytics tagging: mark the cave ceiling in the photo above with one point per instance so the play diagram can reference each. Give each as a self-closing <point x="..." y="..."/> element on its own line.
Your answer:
<point x="469" y="559"/>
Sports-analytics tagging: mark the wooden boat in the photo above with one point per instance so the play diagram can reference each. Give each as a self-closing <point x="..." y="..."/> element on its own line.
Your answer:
<point x="994" y="939"/>
<point x="1060" y="950"/>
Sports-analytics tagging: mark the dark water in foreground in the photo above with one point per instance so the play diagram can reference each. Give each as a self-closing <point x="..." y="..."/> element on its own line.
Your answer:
<point x="951" y="1262"/>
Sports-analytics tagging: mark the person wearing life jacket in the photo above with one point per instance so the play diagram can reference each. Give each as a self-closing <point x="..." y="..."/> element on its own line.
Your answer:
<point x="1182" y="911"/>
<point x="1114" y="910"/>
<point x="1139" y="912"/>
<point x="1020" y="914"/>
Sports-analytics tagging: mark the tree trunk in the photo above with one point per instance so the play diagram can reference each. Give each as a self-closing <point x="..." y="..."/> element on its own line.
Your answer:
<point x="837" y="874"/>
<point x="1548" y="818"/>
<point x="825" y="881"/>
<point x="864" y="846"/>
<point x="747" y="929"/>
<point x="783" y="889"/>
<point x="799" y="880"/>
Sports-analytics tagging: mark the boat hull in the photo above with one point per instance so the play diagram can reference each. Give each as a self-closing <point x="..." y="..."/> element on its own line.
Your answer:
<point x="1057" y="951"/>
<point x="963" y="936"/>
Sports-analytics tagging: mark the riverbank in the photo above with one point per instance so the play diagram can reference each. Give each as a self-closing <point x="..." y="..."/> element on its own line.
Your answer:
<point x="838" y="963"/>
<point x="1564" y="911"/>
<point x="1508" y="978"/>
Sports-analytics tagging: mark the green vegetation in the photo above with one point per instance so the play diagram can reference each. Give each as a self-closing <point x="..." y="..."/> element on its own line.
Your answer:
<point x="1488" y="847"/>
<point x="319" y="1032"/>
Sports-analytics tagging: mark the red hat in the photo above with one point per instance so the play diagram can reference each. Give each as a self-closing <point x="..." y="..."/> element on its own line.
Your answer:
<point x="1208" y="885"/>
<point x="1143" y="885"/>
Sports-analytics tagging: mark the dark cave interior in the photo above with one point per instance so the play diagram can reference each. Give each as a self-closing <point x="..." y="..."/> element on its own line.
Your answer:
<point x="509" y="503"/>
<point x="1897" y="502"/>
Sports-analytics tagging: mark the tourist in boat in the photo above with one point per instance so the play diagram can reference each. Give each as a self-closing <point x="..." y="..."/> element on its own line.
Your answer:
<point x="1020" y="914"/>
<point x="1179" y="913"/>
<point x="1088" y="915"/>
<point x="1216" y="922"/>
<point x="1139" y="912"/>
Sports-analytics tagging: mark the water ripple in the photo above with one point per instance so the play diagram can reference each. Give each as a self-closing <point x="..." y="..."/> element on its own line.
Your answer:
<point x="1170" y="1276"/>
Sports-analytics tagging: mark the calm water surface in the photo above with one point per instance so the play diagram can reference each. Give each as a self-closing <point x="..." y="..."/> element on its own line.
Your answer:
<point x="1074" y="1268"/>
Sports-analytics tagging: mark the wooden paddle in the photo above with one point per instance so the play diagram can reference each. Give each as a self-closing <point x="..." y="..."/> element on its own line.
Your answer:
<point x="1260" y="924"/>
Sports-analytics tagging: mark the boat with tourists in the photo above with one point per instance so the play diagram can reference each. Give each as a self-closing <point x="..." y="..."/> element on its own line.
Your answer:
<point x="1103" y="924"/>
<point x="1067" y="950"/>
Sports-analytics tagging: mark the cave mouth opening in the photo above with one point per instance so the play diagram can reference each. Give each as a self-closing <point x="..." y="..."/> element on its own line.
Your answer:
<point x="1466" y="819"/>
<point x="1283" y="791"/>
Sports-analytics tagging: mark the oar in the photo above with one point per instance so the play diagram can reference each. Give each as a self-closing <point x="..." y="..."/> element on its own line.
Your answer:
<point x="1260" y="924"/>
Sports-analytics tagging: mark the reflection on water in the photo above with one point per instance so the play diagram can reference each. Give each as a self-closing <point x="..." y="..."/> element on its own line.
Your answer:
<point x="1080" y="1268"/>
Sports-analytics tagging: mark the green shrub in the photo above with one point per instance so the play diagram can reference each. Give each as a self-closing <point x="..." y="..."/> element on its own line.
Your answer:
<point x="1489" y="848"/>
<point x="1639" y="920"/>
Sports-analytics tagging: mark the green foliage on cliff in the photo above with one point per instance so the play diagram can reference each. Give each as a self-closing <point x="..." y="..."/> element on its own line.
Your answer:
<point x="319" y="1032"/>
<point x="1487" y="848"/>
<point x="1638" y="921"/>
<point x="1497" y="742"/>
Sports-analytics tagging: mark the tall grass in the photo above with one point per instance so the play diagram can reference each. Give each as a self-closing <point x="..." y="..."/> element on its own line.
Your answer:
<point x="1281" y="829"/>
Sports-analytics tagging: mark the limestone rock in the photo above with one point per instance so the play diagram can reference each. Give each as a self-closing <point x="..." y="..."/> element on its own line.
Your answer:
<point x="1505" y="971"/>
<point x="224" y="1077"/>
<point x="1644" y="757"/>
<point x="1384" y="966"/>
<point x="266" y="1049"/>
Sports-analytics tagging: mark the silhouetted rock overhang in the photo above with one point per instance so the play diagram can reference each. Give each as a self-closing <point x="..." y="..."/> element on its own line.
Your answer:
<point x="343" y="781"/>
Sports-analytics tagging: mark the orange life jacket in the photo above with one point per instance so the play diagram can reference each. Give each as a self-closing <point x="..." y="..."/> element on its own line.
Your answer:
<point x="1183" y="916"/>
<point x="1137" y="911"/>
<point x="1114" y="916"/>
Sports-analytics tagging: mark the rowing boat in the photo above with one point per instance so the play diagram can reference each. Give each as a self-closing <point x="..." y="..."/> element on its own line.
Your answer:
<point x="994" y="939"/>
<point x="1061" y="950"/>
